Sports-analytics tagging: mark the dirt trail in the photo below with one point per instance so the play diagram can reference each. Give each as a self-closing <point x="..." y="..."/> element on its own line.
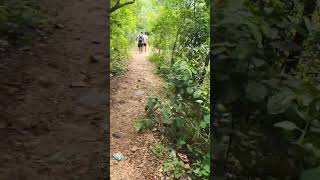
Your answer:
<point x="128" y="96"/>
<point x="52" y="99"/>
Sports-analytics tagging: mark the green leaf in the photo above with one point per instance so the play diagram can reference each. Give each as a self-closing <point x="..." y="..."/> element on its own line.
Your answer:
<point x="197" y="93"/>
<point x="256" y="33"/>
<point x="308" y="23"/>
<point x="203" y="124"/>
<point x="189" y="90"/>
<point x="207" y="118"/>
<point x="258" y="62"/>
<point x="181" y="142"/>
<point x="314" y="129"/>
<point x="218" y="50"/>
<point x="279" y="102"/>
<point x="243" y="50"/>
<point x="306" y="99"/>
<point x="286" y="125"/>
<point x="172" y="154"/>
<point x="256" y="92"/>
<point x="147" y="123"/>
<point x="151" y="102"/>
<point x="221" y="108"/>
<point x="227" y="44"/>
<point x="315" y="123"/>
<point x="137" y="125"/>
<point x="268" y="10"/>
<point x="199" y="101"/>
<point x="311" y="174"/>
<point x="206" y="168"/>
<point x="165" y="113"/>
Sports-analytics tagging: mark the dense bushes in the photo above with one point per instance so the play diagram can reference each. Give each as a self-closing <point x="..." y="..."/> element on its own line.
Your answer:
<point x="266" y="99"/>
<point x="183" y="116"/>
<point x="180" y="33"/>
<point x="124" y="29"/>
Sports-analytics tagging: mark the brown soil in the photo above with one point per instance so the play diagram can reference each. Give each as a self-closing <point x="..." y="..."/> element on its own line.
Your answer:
<point x="53" y="99"/>
<point x="128" y="96"/>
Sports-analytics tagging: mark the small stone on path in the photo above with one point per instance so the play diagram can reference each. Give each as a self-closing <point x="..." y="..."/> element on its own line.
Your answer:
<point x="134" y="148"/>
<point x="122" y="102"/>
<point x="139" y="93"/>
<point x="116" y="135"/>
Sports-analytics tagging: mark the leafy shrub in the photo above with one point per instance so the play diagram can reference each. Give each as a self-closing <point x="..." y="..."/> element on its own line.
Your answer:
<point x="179" y="121"/>
<point x="143" y="124"/>
<point x="174" y="167"/>
<point x="181" y="37"/>
<point x="202" y="167"/>
<point x="265" y="100"/>
<point x="159" y="150"/>
<point x="123" y="31"/>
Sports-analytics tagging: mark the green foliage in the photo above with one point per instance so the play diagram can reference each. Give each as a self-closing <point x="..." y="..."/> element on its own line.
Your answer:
<point x="159" y="150"/>
<point x="19" y="21"/>
<point x="178" y="121"/>
<point x="143" y="124"/>
<point x="123" y="31"/>
<point x="312" y="174"/>
<point x="175" y="167"/>
<point x="267" y="95"/>
<point x="202" y="169"/>
<point x="180" y="36"/>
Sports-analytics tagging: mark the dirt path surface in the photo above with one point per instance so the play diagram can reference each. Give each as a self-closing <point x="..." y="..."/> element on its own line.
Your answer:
<point x="52" y="99"/>
<point x="128" y="96"/>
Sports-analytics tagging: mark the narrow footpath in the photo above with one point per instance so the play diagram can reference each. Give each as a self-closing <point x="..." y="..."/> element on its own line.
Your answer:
<point x="128" y="96"/>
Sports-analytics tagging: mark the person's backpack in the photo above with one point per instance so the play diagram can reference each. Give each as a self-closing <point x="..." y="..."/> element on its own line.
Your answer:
<point x="140" y="39"/>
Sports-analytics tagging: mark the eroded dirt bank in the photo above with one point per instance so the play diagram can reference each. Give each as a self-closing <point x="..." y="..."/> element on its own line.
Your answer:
<point x="53" y="99"/>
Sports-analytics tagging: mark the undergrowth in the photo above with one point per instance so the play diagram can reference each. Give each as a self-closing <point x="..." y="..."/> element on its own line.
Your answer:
<point x="183" y="117"/>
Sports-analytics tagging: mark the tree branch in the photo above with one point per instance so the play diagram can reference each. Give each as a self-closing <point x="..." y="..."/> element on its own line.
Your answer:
<point x="118" y="5"/>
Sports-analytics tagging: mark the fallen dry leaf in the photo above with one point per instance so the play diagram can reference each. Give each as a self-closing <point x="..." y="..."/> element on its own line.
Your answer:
<point x="183" y="157"/>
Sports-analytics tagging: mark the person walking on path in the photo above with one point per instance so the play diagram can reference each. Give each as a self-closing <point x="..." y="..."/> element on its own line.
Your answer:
<point x="145" y="41"/>
<point x="141" y="41"/>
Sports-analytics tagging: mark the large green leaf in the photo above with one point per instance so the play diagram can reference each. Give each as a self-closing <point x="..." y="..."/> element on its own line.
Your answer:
<point x="310" y="174"/>
<point x="219" y="50"/>
<point x="256" y="33"/>
<point x="256" y="92"/>
<point x="189" y="90"/>
<point x="258" y="62"/>
<point x="203" y="124"/>
<point x="137" y="125"/>
<point x="308" y="23"/>
<point x="306" y="99"/>
<point x="166" y="115"/>
<point x="207" y="118"/>
<point x="286" y="125"/>
<point x="279" y="102"/>
<point x="315" y="129"/>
